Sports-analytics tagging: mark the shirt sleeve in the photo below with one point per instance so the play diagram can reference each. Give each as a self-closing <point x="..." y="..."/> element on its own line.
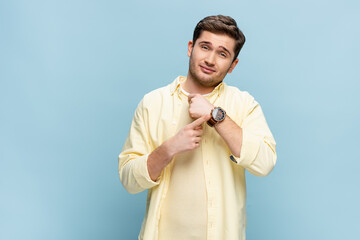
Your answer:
<point x="258" y="150"/>
<point x="133" y="170"/>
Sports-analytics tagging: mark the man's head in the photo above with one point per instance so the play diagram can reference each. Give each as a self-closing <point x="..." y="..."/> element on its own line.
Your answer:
<point x="221" y="25"/>
<point x="213" y="51"/>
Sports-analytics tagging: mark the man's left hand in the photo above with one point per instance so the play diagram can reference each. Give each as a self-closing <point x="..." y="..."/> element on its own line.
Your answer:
<point x="199" y="106"/>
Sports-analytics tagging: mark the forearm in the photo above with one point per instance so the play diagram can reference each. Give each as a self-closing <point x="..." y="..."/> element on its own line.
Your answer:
<point x="232" y="135"/>
<point x="139" y="172"/>
<point x="158" y="160"/>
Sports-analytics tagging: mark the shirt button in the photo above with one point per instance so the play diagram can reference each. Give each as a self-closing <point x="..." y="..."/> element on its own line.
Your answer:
<point x="233" y="159"/>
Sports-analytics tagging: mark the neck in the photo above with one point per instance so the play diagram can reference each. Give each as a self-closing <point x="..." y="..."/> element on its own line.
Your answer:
<point x="194" y="87"/>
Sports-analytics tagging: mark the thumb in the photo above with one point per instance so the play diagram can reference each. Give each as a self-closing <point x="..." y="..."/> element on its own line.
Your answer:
<point x="200" y="121"/>
<point x="190" y="96"/>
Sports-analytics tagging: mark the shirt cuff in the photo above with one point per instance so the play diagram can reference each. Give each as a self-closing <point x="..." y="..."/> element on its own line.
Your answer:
<point x="249" y="150"/>
<point x="142" y="174"/>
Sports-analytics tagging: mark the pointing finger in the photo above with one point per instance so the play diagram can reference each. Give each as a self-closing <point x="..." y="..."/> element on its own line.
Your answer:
<point x="198" y="127"/>
<point x="199" y="121"/>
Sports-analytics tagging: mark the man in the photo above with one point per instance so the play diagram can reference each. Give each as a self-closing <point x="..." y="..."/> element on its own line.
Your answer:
<point x="191" y="141"/>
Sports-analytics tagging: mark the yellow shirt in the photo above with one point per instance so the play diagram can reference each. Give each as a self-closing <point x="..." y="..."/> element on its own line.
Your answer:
<point x="183" y="214"/>
<point x="156" y="120"/>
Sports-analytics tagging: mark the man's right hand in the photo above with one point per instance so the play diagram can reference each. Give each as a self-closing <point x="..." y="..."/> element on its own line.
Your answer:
<point x="188" y="138"/>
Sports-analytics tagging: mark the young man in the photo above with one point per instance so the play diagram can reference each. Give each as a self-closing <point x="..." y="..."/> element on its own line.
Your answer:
<point x="191" y="141"/>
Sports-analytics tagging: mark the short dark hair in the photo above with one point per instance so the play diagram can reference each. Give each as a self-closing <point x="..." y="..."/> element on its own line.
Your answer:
<point x="221" y="24"/>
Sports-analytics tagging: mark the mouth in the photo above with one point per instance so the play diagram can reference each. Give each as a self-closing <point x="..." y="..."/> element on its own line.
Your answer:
<point x="207" y="69"/>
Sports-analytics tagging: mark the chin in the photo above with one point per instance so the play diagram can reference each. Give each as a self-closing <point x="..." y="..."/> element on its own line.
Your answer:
<point x="204" y="79"/>
<point x="209" y="83"/>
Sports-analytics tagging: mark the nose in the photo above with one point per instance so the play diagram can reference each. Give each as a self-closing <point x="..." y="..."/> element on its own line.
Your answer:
<point x="210" y="59"/>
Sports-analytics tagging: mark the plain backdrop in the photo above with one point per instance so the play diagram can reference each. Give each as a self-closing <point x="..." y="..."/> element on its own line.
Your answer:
<point x="73" y="72"/>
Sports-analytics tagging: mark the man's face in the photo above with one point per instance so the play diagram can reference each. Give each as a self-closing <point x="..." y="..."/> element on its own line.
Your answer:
<point x="211" y="58"/>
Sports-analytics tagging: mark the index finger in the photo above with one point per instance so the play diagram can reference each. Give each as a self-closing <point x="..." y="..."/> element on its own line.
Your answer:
<point x="199" y="121"/>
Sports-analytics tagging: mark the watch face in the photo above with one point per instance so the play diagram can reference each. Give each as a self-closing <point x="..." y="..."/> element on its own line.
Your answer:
<point x="218" y="114"/>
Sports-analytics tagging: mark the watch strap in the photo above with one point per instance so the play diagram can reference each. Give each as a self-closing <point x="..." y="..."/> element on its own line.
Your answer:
<point x="211" y="122"/>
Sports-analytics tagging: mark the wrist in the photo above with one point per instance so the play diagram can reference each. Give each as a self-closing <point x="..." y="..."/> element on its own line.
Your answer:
<point x="217" y="115"/>
<point x="168" y="149"/>
<point x="216" y="126"/>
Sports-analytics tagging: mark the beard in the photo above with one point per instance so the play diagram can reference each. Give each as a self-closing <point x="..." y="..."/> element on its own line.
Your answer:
<point x="203" y="79"/>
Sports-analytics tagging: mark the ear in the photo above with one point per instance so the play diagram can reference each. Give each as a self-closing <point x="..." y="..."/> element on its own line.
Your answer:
<point x="233" y="65"/>
<point x="190" y="47"/>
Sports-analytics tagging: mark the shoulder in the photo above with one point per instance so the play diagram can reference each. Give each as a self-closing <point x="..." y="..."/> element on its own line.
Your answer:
<point x="238" y="103"/>
<point x="235" y="94"/>
<point x="156" y="96"/>
<point x="151" y="102"/>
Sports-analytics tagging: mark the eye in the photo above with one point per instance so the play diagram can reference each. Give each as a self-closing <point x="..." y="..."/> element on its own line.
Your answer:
<point x="223" y="54"/>
<point x="204" y="47"/>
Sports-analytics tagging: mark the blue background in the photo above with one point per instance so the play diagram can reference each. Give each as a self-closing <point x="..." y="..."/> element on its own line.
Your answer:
<point x="72" y="73"/>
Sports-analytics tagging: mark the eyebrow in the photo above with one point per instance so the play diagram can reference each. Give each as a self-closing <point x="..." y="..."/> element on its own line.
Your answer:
<point x="224" y="48"/>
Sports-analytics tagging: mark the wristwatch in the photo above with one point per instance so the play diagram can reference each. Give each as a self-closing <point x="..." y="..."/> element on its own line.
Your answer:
<point x="217" y="115"/>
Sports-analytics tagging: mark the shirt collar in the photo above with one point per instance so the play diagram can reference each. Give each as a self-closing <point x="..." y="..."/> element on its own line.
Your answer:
<point x="175" y="88"/>
<point x="175" y="85"/>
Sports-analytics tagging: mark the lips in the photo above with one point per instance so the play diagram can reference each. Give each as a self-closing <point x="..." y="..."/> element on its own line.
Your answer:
<point x="207" y="69"/>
